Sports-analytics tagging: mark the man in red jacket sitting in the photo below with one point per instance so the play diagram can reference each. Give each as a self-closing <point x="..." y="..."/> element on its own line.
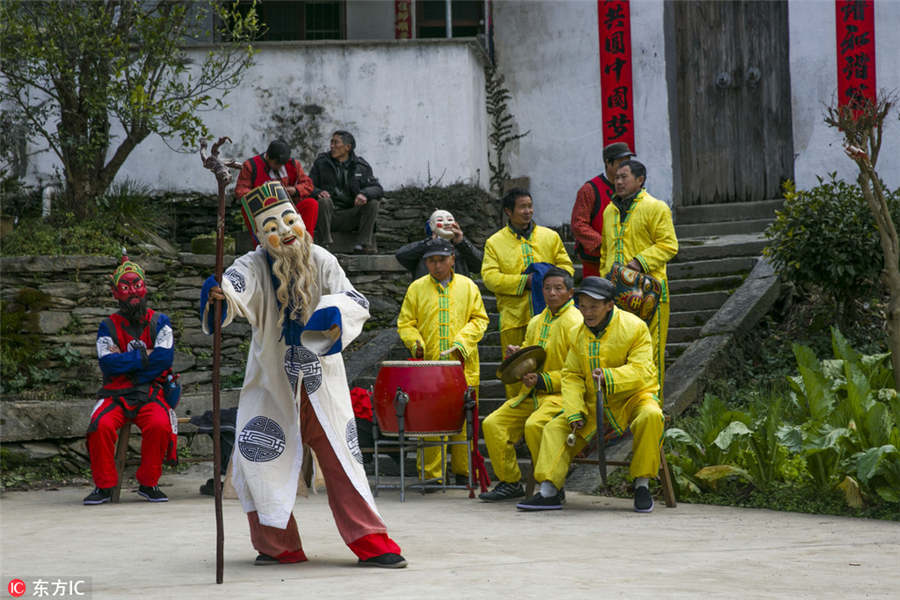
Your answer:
<point x="276" y="164"/>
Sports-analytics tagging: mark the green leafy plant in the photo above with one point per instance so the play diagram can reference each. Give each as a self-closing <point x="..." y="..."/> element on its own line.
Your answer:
<point x="830" y="220"/>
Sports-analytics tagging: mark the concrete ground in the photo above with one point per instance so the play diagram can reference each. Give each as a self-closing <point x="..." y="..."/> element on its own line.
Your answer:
<point x="595" y="548"/>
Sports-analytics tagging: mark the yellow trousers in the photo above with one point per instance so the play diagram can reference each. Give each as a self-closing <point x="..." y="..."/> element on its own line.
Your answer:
<point x="534" y="426"/>
<point x="659" y="331"/>
<point x="512" y="337"/>
<point x="502" y="429"/>
<point x="642" y="414"/>
<point x="432" y="457"/>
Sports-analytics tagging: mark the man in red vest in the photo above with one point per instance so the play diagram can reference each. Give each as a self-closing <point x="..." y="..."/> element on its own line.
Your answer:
<point x="587" y="214"/>
<point x="276" y="164"/>
<point x="135" y="347"/>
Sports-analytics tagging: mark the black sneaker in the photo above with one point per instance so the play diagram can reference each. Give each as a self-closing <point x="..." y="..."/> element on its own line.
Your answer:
<point x="388" y="560"/>
<point x="265" y="559"/>
<point x="503" y="491"/>
<point x="98" y="496"/>
<point x="643" y="501"/>
<point x="538" y="502"/>
<point x="152" y="494"/>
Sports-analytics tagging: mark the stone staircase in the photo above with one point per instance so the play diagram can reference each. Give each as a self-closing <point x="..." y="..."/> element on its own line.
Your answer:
<point x="718" y="247"/>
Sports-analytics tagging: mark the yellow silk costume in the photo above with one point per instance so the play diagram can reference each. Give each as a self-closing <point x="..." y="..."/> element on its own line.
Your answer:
<point x="440" y="319"/>
<point x="506" y="256"/>
<point x="645" y="233"/>
<point x="503" y="427"/>
<point x="623" y="350"/>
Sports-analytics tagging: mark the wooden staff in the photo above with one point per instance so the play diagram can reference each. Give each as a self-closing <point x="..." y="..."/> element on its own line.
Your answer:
<point x="223" y="176"/>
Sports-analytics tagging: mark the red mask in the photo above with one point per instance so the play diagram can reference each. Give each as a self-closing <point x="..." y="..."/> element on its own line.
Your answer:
<point x="130" y="289"/>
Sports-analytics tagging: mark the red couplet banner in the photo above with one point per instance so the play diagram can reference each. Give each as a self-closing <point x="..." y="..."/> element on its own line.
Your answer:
<point x="855" y="50"/>
<point x="614" y="27"/>
<point x="402" y="19"/>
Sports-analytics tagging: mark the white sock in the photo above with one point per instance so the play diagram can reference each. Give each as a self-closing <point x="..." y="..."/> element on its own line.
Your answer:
<point x="641" y="482"/>
<point x="548" y="490"/>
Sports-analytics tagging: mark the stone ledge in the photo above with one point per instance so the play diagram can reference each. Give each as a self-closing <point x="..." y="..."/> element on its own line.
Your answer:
<point x="747" y="305"/>
<point x="52" y="419"/>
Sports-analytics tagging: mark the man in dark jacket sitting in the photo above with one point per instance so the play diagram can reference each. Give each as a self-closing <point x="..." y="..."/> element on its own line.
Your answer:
<point x="347" y="192"/>
<point x="442" y="224"/>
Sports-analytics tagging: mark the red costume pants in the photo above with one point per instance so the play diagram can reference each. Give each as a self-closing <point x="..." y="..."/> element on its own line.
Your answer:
<point x="361" y="528"/>
<point x="308" y="209"/>
<point x="156" y="435"/>
<point x="590" y="269"/>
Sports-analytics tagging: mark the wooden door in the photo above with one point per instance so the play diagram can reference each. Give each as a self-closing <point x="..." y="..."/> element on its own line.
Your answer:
<point x="733" y="133"/>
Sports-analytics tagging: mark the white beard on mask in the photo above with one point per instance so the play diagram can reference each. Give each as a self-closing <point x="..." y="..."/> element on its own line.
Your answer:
<point x="297" y="285"/>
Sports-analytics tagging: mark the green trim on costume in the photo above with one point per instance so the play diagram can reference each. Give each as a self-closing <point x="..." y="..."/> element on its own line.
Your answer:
<point x="462" y="350"/>
<point x="643" y="262"/>
<point x="612" y="420"/>
<point x="521" y="289"/>
<point x="444" y="341"/>
<point x="548" y="382"/>
<point x="576" y="417"/>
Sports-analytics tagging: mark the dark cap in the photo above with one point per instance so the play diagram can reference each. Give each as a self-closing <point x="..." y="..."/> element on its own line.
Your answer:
<point x="598" y="288"/>
<point x="437" y="247"/>
<point x="616" y="151"/>
<point x="279" y="151"/>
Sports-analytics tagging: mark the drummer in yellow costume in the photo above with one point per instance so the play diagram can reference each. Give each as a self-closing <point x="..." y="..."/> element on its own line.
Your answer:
<point x="443" y="318"/>
<point x="507" y="254"/>
<point x="554" y="330"/>
<point x="643" y="239"/>
<point x="615" y="346"/>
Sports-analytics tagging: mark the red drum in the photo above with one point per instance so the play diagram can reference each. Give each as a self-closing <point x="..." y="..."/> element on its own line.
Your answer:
<point x="436" y="390"/>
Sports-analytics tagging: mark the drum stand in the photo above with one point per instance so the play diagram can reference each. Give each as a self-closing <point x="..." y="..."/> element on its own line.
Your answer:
<point x="406" y="441"/>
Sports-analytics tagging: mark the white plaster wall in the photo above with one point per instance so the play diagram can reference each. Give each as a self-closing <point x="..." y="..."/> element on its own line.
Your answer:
<point x="549" y="53"/>
<point x="813" y="59"/>
<point x="415" y="107"/>
<point x="370" y="19"/>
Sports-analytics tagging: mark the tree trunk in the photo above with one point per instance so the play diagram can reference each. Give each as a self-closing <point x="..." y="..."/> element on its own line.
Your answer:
<point x="874" y="195"/>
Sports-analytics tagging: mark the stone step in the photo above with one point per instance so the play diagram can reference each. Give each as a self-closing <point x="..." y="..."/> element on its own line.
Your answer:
<point x="720" y="228"/>
<point x="674" y="350"/>
<point x="719" y="247"/>
<point x="705" y="284"/>
<point x="708" y="268"/>
<point x="682" y="334"/>
<point x="690" y="318"/>
<point x="698" y="300"/>
<point x="732" y="211"/>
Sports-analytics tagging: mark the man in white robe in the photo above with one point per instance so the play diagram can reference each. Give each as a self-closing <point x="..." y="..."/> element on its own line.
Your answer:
<point x="303" y="311"/>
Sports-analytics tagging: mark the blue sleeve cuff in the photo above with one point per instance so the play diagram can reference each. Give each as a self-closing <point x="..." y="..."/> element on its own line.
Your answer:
<point x="321" y="321"/>
<point x="209" y="284"/>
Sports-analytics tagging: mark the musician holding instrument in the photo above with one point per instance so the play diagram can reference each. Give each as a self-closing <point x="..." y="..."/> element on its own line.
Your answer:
<point x="552" y="332"/>
<point x="443" y="318"/>
<point x="638" y="232"/>
<point x="614" y="347"/>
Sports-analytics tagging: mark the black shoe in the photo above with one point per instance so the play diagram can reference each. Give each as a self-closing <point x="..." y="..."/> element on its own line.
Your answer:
<point x="99" y="496"/>
<point x="562" y="495"/>
<point x="358" y="249"/>
<point x="503" y="491"/>
<point x="643" y="501"/>
<point x="388" y="560"/>
<point x="461" y="479"/>
<point x="265" y="559"/>
<point x="538" y="502"/>
<point x="152" y="494"/>
<point x="208" y="489"/>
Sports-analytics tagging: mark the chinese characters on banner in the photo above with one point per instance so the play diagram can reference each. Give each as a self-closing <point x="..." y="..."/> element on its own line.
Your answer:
<point x="614" y="26"/>
<point x="402" y="19"/>
<point x="855" y="50"/>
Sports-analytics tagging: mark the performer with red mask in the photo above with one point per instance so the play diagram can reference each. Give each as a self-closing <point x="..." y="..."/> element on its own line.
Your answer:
<point x="303" y="311"/>
<point x="135" y="347"/>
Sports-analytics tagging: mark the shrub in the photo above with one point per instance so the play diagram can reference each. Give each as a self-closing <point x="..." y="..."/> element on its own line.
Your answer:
<point x="826" y="238"/>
